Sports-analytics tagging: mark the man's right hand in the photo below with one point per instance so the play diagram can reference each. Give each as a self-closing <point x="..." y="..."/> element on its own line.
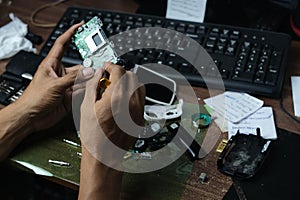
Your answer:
<point x="102" y="180"/>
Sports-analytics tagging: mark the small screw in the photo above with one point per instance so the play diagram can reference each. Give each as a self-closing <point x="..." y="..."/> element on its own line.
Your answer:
<point x="203" y="177"/>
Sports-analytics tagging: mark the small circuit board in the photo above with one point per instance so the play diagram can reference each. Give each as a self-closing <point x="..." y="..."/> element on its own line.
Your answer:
<point x="93" y="45"/>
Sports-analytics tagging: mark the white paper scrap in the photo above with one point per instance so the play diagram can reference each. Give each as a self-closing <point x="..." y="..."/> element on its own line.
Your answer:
<point x="234" y="106"/>
<point x="296" y="94"/>
<point x="35" y="169"/>
<point x="262" y="119"/>
<point x="187" y="10"/>
<point x="221" y="122"/>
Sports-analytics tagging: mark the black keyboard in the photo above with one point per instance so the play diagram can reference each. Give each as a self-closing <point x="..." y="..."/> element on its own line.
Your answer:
<point x="247" y="60"/>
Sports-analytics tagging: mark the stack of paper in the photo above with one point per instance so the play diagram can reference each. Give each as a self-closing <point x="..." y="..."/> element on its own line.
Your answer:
<point x="240" y="111"/>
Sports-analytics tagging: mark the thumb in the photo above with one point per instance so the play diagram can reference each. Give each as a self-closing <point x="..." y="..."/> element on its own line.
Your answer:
<point x="92" y="85"/>
<point x="78" y="74"/>
<point x="84" y="73"/>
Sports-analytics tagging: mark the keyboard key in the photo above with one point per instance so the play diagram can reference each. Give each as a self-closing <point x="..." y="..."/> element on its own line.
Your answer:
<point x="201" y="30"/>
<point x="224" y="73"/>
<point x="259" y="78"/>
<point x="185" y="68"/>
<point x="220" y="49"/>
<point x="212" y="71"/>
<point x="191" y="29"/>
<point x="230" y="51"/>
<point x="242" y="76"/>
<point x="225" y="33"/>
<point x="235" y="34"/>
<point x="271" y="78"/>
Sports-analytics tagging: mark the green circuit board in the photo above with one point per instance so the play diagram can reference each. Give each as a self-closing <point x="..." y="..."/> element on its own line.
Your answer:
<point x="93" y="45"/>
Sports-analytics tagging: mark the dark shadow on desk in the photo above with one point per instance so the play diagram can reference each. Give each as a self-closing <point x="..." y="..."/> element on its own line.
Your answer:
<point x="16" y="184"/>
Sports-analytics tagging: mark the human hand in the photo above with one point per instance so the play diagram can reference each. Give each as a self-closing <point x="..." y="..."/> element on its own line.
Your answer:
<point x="48" y="96"/>
<point x="102" y="131"/>
<point x="109" y="117"/>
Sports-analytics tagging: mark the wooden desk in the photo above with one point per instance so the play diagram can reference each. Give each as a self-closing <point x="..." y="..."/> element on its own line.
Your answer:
<point x="218" y="184"/>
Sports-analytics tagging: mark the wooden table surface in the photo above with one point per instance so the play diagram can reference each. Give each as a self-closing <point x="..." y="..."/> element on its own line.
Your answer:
<point x="218" y="184"/>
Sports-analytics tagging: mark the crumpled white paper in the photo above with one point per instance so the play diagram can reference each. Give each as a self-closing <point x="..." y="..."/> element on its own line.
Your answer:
<point x="12" y="38"/>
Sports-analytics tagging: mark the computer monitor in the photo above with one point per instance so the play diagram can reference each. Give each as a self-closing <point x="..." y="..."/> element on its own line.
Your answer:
<point x="270" y="15"/>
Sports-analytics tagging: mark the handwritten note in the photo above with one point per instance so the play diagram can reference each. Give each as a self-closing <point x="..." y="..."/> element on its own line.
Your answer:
<point x="187" y="10"/>
<point x="262" y="119"/>
<point x="234" y="106"/>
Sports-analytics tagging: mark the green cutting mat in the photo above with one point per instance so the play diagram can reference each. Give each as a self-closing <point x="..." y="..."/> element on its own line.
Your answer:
<point x="166" y="183"/>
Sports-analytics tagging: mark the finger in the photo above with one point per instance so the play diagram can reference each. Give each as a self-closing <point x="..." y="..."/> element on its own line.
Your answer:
<point x="52" y="67"/>
<point x="80" y="82"/>
<point x="75" y="67"/>
<point x="142" y="93"/>
<point x="132" y="80"/>
<point x="137" y="89"/>
<point x="84" y="74"/>
<point x="115" y="71"/>
<point x="78" y="86"/>
<point x="67" y="80"/>
<point x="79" y="91"/>
<point x="67" y="99"/>
<point x="57" y="50"/>
<point x="92" y="86"/>
<point x="62" y="71"/>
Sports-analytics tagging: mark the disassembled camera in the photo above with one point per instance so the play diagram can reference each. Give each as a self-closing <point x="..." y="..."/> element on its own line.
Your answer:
<point x="93" y="45"/>
<point x="243" y="155"/>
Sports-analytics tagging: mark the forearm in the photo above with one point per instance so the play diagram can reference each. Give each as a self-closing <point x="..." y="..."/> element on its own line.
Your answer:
<point x="15" y="125"/>
<point x="97" y="181"/>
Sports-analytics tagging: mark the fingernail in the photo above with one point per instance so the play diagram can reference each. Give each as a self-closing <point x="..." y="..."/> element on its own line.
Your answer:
<point x="88" y="71"/>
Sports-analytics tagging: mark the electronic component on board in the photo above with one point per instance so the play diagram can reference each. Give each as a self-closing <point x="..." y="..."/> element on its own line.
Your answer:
<point x="93" y="45"/>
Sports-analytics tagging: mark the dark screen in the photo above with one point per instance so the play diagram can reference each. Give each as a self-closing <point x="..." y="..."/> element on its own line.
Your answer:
<point x="97" y="39"/>
<point x="157" y="87"/>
